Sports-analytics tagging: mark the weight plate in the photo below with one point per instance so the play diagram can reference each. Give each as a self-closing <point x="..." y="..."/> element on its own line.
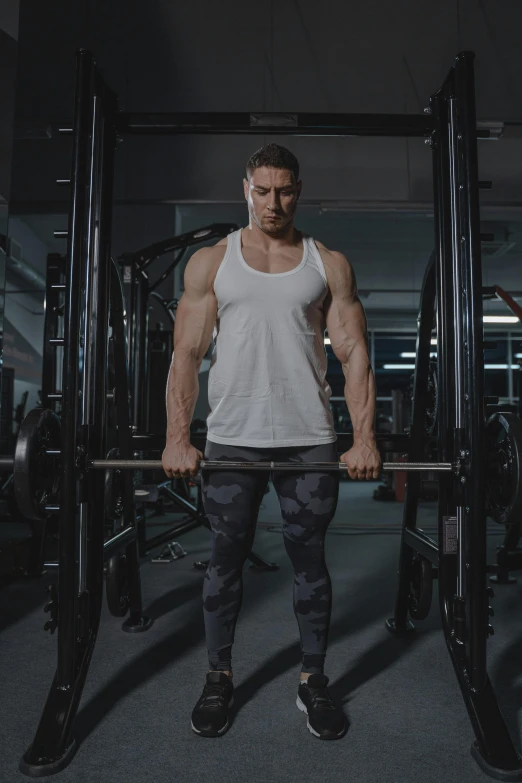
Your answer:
<point x="503" y="467"/>
<point x="117" y="585"/>
<point x="36" y="474"/>
<point x="421" y="587"/>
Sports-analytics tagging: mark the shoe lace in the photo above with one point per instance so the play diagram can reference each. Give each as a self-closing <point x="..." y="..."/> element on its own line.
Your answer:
<point x="214" y="695"/>
<point x="321" y="698"/>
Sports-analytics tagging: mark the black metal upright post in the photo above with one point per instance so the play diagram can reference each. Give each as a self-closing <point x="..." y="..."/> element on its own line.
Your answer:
<point x="80" y="219"/>
<point x="463" y="591"/>
<point x="467" y="189"/>
<point x="80" y="587"/>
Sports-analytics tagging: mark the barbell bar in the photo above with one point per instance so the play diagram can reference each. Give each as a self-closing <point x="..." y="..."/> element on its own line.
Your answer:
<point x="6" y="463"/>
<point x="156" y="464"/>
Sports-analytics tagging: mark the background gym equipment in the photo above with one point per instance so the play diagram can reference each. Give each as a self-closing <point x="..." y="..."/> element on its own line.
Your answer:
<point x="138" y="290"/>
<point x="142" y="365"/>
<point x="504" y="467"/>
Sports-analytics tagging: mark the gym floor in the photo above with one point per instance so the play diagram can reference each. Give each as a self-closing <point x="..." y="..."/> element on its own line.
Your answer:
<point x="407" y="717"/>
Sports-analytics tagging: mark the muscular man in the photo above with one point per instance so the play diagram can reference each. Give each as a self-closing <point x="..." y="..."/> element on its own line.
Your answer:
<point x="268" y="292"/>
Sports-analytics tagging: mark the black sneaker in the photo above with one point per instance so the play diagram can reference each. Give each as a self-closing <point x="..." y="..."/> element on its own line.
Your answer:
<point x="325" y="719"/>
<point x="210" y="715"/>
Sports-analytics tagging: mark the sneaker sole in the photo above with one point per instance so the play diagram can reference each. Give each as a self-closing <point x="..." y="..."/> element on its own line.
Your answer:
<point x="303" y="708"/>
<point x="213" y="733"/>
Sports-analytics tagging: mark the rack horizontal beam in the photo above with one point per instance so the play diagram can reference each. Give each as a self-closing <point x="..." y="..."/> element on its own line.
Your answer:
<point x="284" y="123"/>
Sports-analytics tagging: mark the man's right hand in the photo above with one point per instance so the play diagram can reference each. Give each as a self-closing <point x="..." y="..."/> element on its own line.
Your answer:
<point x="181" y="460"/>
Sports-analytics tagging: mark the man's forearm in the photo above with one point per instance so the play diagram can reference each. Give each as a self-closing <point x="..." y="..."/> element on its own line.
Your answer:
<point x="359" y="392"/>
<point x="182" y="395"/>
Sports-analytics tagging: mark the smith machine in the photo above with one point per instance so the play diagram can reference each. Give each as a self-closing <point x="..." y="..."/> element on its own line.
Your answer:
<point x="61" y="463"/>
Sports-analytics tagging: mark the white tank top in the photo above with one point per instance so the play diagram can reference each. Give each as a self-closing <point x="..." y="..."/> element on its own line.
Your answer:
<point x="267" y="380"/>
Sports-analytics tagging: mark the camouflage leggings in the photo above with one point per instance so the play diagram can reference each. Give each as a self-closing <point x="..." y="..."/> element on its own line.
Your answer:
<point x="231" y="502"/>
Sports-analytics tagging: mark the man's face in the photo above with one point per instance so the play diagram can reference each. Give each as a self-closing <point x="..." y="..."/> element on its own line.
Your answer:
<point x="272" y="196"/>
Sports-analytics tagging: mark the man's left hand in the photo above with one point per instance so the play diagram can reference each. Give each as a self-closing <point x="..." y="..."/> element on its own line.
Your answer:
<point x="363" y="460"/>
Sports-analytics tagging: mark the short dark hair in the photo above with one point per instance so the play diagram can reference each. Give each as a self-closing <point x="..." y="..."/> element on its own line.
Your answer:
<point x="275" y="157"/>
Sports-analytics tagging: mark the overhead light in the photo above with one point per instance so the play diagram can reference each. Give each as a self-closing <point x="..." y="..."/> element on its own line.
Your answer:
<point x="492" y="319"/>
<point x="398" y="367"/>
<point x="518" y="356"/>
<point x="434" y="341"/>
<point x="412" y="367"/>
<point x="391" y="206"/>
<point x="412" y="355"/>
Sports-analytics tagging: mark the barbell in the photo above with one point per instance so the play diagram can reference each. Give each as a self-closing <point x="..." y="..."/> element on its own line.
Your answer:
<point x="35" y="465"/>
<point x="156" y="464"/>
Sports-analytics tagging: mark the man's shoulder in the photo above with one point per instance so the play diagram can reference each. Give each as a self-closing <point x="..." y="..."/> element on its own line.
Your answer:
<point x="203" y="265"/>
<point x="209" y="256"/>
<point x="212" y="250"/>
<point x="332" y="258"/>
<point x="339" y="272"/>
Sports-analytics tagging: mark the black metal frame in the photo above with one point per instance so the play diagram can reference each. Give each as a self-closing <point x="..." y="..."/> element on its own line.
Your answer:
<point x="83" y="396"/>
<point x="460" y="556"/>
<point x="450" y="125"/>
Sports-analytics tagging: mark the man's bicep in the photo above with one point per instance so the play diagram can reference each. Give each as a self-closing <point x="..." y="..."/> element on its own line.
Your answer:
<point x="195" y="320"/>
<point x="345" y="316"/>
<point x="197" y="310"/>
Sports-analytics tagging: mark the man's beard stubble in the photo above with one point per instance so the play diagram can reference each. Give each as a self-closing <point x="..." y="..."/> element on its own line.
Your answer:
<point x="274" y="229"/>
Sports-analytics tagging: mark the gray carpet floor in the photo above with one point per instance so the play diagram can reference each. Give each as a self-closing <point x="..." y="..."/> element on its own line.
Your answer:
<point x="407" y="718"/>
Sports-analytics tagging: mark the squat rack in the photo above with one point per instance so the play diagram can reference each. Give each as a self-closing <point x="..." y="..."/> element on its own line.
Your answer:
<point x="449" y="126"/>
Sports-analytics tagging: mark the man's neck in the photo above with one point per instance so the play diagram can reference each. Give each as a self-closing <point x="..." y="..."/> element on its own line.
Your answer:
<point x="291" y="236"/>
